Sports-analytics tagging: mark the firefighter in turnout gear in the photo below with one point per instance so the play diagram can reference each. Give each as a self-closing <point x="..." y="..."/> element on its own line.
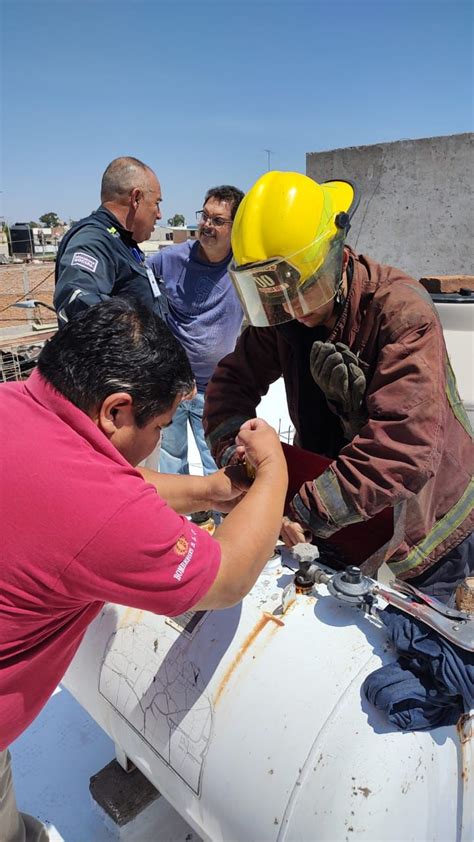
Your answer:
<point x="367" y="377"/>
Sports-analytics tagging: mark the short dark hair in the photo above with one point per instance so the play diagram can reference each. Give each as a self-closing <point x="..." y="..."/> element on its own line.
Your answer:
<point x="121" y="176"/>
<point x="117" y="346"/>
<point x="226" y="193"/>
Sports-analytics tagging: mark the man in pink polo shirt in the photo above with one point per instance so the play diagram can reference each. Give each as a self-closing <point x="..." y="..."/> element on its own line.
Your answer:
<point x="82" y="526"/>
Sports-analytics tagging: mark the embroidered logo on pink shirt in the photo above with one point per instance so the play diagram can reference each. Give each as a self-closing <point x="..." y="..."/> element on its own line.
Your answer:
<point x="180" y="570"/>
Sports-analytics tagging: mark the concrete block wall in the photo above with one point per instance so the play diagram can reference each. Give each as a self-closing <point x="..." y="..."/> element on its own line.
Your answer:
<point x="417" y="201"/>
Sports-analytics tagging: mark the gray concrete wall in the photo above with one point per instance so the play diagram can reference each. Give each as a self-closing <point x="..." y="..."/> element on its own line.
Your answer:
<point x="417" y="206"/>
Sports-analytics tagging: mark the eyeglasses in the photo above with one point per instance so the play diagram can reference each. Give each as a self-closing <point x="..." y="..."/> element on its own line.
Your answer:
<point x="217" y="221"/>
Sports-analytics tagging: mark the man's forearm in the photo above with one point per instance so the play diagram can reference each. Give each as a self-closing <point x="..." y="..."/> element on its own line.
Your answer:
<point x="183" y="493"/>
<point x="247" y="537"/>
<point x="262" y="507"/>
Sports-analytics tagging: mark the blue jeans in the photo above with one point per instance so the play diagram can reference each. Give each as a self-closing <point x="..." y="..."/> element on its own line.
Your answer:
<point x="174" y="439"/>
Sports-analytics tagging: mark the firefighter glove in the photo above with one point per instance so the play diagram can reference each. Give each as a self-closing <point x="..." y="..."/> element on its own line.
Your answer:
<point x="340" y="375"/>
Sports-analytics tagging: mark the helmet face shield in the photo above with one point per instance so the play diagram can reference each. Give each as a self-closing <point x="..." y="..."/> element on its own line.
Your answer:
<point x="272" y="291"/>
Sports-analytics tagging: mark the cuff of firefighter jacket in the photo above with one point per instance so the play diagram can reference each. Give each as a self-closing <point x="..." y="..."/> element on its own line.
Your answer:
<point x="227" y="455"/>
<point x="216" y="440"/>
<point x="339" y="512"/>
<point x="310" y="519"/>
<point x="329" y="491"/>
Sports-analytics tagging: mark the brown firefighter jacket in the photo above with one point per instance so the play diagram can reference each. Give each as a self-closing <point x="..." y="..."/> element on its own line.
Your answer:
<point x="414" y="453"/>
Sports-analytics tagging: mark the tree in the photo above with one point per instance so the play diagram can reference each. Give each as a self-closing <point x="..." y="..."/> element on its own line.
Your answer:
<point x="33" y="225"/>
<point x="177" y="220"/>
<point x="51" y="219"/>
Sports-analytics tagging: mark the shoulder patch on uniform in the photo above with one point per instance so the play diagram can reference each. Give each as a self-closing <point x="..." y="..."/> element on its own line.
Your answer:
<point x="85" y="261"/>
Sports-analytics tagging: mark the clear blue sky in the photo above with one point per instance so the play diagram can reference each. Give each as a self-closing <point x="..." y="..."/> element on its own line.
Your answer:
<point x="198" y="89"/>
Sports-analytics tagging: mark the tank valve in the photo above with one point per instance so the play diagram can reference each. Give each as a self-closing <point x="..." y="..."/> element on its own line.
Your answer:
<point x="306" y="555"/>
<point x="304" y="582"/>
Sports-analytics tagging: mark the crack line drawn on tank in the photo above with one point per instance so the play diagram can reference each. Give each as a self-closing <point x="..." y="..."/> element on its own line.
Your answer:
<point x="155" y="698"/>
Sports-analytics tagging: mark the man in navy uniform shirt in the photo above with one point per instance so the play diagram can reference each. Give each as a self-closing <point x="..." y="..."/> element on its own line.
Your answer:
<point x="100" y="256"/>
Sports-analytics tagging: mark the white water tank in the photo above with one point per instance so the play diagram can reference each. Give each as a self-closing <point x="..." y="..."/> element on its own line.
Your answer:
<point x="252" y="724"/>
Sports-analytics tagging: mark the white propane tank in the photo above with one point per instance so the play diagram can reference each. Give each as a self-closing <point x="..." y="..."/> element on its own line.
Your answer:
<point x="252" y="724"/>
<point x="457" y="318"/>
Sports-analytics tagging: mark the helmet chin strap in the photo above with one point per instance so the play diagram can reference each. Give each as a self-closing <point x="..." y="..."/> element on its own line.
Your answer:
<point x="343" y="286"/>
<point x="340" y="295"/>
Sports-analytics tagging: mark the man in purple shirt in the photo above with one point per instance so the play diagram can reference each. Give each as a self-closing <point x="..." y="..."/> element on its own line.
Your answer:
<point x="204" y="314"/>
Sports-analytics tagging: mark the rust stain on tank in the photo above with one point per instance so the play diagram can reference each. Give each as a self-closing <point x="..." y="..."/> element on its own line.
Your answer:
<point x="131" y="616"/>
<point x="262" y="623"/>
<point x="465" y="729"/>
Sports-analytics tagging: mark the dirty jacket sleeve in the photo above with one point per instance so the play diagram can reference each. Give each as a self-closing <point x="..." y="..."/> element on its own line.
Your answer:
<point x="236" y="388"/>
<point x="398" y="450"/>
